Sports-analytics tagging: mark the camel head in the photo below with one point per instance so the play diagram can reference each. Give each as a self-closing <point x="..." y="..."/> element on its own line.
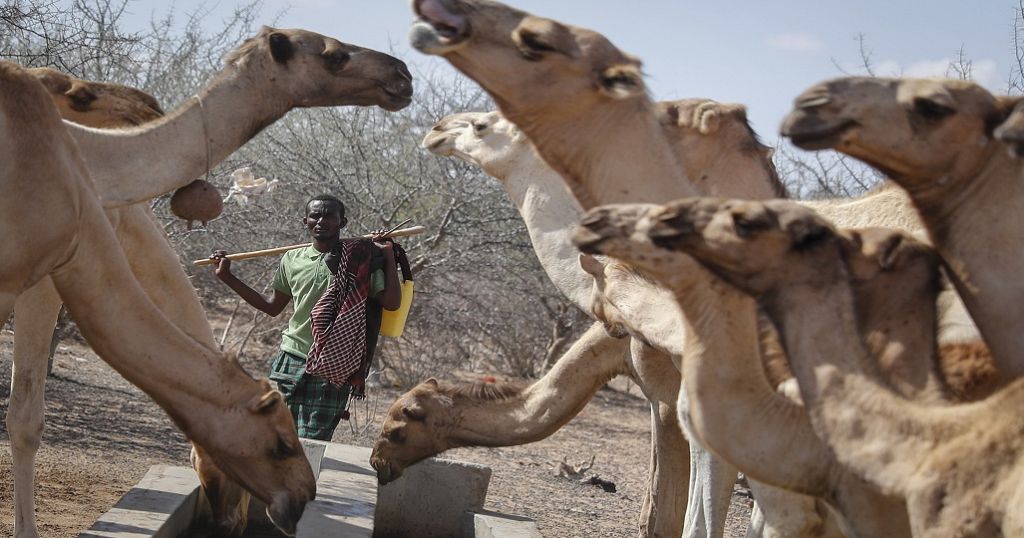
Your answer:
<point x="1011" y="132"/>
<point x="624" y="297"/>
<point x="532" y="66"/>
<point x="921" y="132"/>
<point x="884" y="257"/>
<point x="485" y="139"/>
<point x="410" y="432"/>
<point x="713" y="136"/>
<point x="426" y="421"/>
<point x="309" y="69"/>
<point x="265" y="455"/>
<point x="97" y="104"/>
<point x="747" y="243"/>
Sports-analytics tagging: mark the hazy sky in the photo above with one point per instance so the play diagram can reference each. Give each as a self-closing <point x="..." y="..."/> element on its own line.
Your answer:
<point x="760" y="53"/>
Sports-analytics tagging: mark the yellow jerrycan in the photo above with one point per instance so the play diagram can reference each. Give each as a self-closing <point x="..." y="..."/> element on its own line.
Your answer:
<point x="392" y="322"/>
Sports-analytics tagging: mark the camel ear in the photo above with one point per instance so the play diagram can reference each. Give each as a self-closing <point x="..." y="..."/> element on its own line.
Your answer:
<point x="707" y="117"/>
<point x="414" y="413"/>
<point x="432" y="382"/>
<point x="281" y="48"/>
<point x="536" y="36"/>
<point x="81" y="96"/>
<point x="622" y="81"/>
<point x="591" y="265"/>
<point x="265" y="403"/>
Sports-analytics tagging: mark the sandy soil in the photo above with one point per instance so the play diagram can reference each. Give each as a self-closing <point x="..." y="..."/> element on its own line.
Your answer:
<point x="102" y="434"/>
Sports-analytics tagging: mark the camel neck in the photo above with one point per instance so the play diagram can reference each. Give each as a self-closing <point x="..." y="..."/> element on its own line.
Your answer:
<point x="545" y="406"/>
<point x="871" y="429"/>
<point x="733" y="407"/>
<point x="616" y="154"/>
<point x="550" y="214"/>
<point x="131" y="165"/>
<point x="978" y="229"/>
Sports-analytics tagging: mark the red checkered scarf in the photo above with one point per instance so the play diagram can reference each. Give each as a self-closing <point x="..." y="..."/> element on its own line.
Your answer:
<point x="339" y="352"/>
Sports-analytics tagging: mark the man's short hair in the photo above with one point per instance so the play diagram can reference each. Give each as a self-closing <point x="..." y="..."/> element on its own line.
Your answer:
<point x="327" y="198"/>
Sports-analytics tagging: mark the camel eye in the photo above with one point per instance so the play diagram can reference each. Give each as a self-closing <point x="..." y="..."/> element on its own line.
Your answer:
<point x="532" y="47"/>
<point x="479" y="127"/>
<point x="282" y="449"/>
<point x="336" y="60"/>
<point x="932" y="110"/>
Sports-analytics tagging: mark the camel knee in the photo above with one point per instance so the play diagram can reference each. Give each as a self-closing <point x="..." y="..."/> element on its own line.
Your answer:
<point x="24" y="424"/>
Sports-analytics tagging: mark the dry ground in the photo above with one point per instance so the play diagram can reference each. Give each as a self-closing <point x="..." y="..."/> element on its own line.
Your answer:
<point x="102" y="434"/>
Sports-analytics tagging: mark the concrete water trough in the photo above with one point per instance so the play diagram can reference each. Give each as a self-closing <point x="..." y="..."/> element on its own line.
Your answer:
<point x="435" y="498"/>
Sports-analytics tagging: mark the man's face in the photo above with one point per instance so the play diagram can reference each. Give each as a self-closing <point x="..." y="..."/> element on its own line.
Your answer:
<point x="323" y="219"/>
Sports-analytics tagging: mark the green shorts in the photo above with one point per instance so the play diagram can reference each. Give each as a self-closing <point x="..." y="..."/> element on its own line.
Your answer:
<point x="316" y="404"/>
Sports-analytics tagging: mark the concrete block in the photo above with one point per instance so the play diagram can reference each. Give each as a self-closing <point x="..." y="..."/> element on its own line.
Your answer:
<point x="161" y="505"/>
<point x="487" y="524"/>
<point x="431" y="499"/>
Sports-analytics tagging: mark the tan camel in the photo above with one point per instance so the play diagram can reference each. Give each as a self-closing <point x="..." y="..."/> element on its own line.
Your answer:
<point x="240" y="422"/>
<point x="246" y="96"/>
<point x="157" y="269"/>
<point x="959" y="467"/>
<point x="732" y="406"/>
<point x="572" y="84"/>
<point x="725" y="155"/>
<point x="934" y="138"/>
<point x="264" y="78"/>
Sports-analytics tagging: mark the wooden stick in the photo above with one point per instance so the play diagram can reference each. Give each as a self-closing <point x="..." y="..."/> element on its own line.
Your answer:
<point x="404" y="232"/>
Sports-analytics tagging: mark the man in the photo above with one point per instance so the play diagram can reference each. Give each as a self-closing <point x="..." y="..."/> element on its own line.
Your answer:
<point x="303" y="276"/>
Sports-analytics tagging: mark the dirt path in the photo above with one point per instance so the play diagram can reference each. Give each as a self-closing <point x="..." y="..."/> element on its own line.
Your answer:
<point x="102" y="435"/>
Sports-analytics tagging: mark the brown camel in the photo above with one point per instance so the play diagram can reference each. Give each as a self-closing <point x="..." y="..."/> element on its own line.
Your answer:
<point x="935" y="139"/>
<point x="327" y="71"/>
<point x="724" y="154"/>
<point x="265" y="77"/>
<point x="240" y="422"/>
<point x="733" y="407"/>
<point x="959" y="466"/>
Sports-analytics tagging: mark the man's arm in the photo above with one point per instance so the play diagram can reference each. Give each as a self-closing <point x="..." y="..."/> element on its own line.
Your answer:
<point x="391" y="296"/>
<point x="273" y="307"/>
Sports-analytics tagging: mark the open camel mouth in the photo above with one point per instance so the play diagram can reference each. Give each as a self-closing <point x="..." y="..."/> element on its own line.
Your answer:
<point x="438" y="28"/>
<point x="809" y="132"/>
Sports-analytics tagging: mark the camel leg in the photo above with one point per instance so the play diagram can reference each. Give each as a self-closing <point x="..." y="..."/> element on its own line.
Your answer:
<point x="665" y="504"/>
<point x="779" y="513"/>
<point x="35" y="315"/>
<point x="711" y="483"/>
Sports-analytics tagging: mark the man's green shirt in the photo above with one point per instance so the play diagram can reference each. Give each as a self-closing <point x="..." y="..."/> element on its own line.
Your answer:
<point x="304" y="276"/>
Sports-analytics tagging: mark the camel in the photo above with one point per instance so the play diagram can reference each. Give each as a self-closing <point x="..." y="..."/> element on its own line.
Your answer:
<point x="724" y="154"/>
<point x="958" y="466"/>
<point x="241" y="423"/>
<point x="562" y="85"/>
<point x="935" y="139"/>
<point x="265" y="77"/>
<point x="745" y="421"/>
<point x="327" y="72"/>
<point x="153" y="263"/>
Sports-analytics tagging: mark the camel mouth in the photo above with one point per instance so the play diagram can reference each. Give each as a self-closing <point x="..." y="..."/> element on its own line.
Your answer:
<point x="809" y="132"/>
<point x="437" y="143"/>
<point x="438" y="28"/>
<point x="397" y="99"/>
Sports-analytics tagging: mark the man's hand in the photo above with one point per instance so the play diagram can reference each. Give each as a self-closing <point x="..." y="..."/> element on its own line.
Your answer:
<point x="387" y="247"/>
<point x="223" y="267"/>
